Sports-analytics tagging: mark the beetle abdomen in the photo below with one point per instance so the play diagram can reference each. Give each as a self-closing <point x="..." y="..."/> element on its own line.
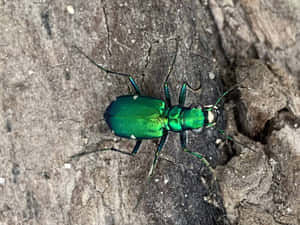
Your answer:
<point x="136" y="117"/>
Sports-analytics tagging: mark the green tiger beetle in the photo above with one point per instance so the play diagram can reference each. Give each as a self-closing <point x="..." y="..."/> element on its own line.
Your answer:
<point x="141" y="117"/>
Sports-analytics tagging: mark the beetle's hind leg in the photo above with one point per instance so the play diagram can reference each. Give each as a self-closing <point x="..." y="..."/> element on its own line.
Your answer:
<point x="133" y="153"/>
<point x="134" y="85"/>
<point x="136" y="147"/>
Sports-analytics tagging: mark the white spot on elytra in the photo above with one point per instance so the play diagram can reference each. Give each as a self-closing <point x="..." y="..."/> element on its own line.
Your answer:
<point x="132" y="136"/>
<point x="85" y="140"/>
<point x="211" y="75"/>
<point x="70" y="9"/>
<point x="2" y="180"/>
<point x="67" y="166"/>
<point x="112" y="131"/>
<point x="135" y="97"/>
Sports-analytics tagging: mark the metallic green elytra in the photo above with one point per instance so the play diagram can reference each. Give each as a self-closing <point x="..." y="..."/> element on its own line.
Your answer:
<point x="142" y="117"/>
<point x="137" y="117"/>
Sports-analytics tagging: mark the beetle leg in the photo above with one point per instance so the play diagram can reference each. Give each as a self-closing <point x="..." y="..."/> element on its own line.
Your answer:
<point x="136" y="88"/>
<point x="136" y="147"/>
<point x="159" y="148"/>
<point x="134" y="151"/>
<point x="99" y="66"/>
<point x="166" y="87"/>
<point x="198" y="155"/>
<point x="182" y="94"/>
<point x="167" y="94"/>
<point x="100" y="150"/>
<point x="222" y="132"/>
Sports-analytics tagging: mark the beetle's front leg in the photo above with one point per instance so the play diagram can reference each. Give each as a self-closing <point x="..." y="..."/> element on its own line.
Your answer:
<point x="198" y="155"/>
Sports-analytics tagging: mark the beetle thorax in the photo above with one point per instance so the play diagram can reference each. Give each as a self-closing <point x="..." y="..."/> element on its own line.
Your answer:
<point x="175" y="118"/>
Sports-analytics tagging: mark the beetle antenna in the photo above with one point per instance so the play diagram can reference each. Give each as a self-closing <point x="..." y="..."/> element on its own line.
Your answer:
<point x="229" y="90"/>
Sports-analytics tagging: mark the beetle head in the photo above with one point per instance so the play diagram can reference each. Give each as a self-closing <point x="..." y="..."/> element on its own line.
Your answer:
<point x="198" y="117"/>
<point x="211" y="113"/>
<point x="210" y="116"/>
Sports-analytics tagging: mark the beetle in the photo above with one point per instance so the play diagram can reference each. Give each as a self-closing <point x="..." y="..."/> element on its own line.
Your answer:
<point x="140" y="117"/>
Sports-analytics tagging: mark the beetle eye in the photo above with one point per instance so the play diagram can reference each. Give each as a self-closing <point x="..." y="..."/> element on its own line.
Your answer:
<point x="198" y="130"/>
<point x="195" y="106"/>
